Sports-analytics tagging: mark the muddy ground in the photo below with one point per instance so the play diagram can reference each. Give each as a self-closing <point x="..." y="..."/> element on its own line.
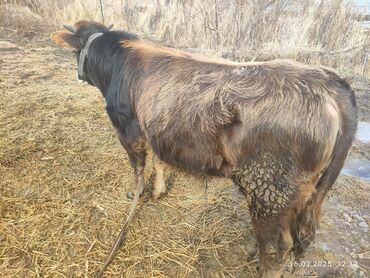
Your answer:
<point x="64" y="178"/>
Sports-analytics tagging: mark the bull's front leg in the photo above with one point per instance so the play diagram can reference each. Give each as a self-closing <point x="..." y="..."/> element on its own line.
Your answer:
<point x="159" y="181"/>
<point x="136" y="152"/>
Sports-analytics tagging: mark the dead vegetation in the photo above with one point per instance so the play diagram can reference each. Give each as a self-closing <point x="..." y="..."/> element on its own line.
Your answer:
<point x="315" y="32"/>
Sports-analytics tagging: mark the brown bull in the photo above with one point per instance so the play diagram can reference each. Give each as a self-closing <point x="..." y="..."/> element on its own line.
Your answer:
<point x="279" y="129"/>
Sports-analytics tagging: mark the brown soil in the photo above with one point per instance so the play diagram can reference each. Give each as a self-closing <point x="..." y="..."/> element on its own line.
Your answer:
<point x="64" y="178"/>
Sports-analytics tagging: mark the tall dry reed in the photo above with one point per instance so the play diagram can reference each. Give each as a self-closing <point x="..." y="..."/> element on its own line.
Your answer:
<point x="316" y="32"/>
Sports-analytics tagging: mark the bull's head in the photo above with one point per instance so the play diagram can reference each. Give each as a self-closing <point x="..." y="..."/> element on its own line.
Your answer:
<point x="77" y="37"/>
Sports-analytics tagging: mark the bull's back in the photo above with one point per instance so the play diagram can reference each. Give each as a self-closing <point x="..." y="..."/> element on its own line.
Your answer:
<point x="215" y="122"/>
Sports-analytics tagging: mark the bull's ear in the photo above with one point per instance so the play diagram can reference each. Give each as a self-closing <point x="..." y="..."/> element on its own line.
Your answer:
<point x="66" y="39"/>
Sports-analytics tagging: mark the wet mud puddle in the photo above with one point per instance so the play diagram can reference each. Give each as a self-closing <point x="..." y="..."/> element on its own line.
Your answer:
<point x="359" y="167"/>
<point x="363" y="132"/>
<point x="345" y="242"/>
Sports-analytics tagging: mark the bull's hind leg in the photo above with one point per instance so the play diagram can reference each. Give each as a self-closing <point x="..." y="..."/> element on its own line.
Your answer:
<point x="274" y="201"/>
<point x="305" y="225"/>
<point x="159" y="181"/>
<point x="274" y="244"/>
<point x="268" y="193"/>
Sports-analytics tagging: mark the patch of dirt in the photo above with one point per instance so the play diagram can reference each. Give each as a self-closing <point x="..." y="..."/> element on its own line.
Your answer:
<point x="64" y="178"/>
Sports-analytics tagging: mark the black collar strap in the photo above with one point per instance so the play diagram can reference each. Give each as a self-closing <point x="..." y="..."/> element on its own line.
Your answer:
<point x="83" y="55"/>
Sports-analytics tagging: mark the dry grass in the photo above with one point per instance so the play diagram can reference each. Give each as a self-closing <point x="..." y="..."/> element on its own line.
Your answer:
<point x="315" y="32"/>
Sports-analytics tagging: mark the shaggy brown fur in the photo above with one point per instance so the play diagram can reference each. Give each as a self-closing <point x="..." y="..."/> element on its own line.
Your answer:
<point x="281" y="130"/>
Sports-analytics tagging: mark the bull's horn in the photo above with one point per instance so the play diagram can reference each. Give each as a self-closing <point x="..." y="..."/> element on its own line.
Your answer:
<point x="109" y="27"/>
<point x="70" y="28"/>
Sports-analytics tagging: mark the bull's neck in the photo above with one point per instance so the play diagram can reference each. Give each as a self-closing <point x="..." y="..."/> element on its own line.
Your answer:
<point x="106" y="65"/>
<point x="99" y="67"/>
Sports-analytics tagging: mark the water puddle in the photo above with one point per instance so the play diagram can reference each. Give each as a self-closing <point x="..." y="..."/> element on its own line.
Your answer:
<point x="345" y="235"/>
<point x="358" y="168"/>
<point x="363" y="132"/>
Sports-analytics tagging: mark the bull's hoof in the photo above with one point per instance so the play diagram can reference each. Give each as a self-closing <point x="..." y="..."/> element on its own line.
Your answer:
<point x="159" y="195"/>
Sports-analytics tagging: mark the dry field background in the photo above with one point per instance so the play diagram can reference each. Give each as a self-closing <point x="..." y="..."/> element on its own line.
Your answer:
<point x="317" y="32"/>
<point x="64" y="176"/>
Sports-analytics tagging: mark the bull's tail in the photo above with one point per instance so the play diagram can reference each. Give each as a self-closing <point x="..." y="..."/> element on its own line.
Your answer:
<point x="308" y="219"/>
<point x="346" y="102"/>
